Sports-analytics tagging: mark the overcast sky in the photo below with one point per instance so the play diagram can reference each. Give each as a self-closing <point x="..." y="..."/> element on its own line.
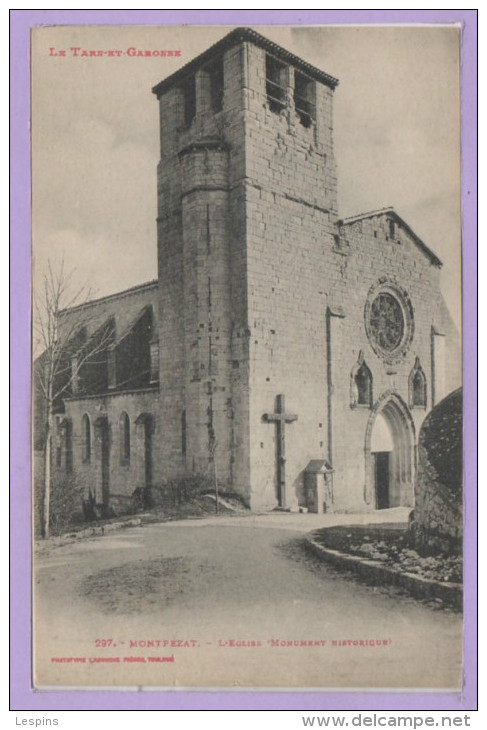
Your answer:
<point x="95" y="138"/>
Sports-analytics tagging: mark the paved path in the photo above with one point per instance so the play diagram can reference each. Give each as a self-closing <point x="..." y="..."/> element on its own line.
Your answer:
<point x="242" y="603"/>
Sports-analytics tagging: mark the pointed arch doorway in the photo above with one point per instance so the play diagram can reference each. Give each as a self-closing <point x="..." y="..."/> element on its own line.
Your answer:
<point x="390" y="454"/>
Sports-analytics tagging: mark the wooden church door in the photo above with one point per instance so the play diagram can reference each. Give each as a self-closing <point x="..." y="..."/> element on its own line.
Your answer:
<point x="382" y="478"/>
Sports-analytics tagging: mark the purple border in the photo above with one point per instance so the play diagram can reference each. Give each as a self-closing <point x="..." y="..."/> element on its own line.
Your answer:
<point x="22" y="695"/>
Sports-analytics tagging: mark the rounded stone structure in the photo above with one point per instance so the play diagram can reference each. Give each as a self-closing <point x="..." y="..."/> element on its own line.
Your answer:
<point x="437" y="523"/>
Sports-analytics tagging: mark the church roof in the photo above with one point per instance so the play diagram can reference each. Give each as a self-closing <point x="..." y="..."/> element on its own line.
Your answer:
<point x="391" y="213"/>
<point x="240" y="35"/>
<point x="117" y="295"/>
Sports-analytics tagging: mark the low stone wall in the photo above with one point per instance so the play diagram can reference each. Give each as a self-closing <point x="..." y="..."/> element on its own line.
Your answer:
<point x="450" y="594"/>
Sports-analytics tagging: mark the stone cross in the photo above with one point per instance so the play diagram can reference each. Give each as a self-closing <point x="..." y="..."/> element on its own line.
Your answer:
<point x="280" y="418"/>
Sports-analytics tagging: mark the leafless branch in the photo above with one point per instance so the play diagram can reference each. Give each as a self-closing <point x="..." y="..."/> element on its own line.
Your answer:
<point x="59" y="322"/>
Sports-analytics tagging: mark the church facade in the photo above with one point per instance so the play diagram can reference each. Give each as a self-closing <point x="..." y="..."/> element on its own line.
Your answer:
<point x="278" y="340"/>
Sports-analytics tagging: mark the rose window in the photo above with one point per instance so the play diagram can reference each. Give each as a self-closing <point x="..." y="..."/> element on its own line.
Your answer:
<point x="386" y="321"/>
<point x="389" y="321"/>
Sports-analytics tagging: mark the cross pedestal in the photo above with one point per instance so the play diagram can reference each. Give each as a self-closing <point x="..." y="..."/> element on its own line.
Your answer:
<point x="280" y="418"/>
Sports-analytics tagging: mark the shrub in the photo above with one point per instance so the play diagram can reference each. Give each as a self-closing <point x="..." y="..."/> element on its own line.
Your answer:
<point x="181" y="490"/>
<point x="66" y="502"/>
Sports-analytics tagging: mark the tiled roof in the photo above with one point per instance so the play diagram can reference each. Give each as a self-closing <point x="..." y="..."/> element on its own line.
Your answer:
<point x="240" y="35"/>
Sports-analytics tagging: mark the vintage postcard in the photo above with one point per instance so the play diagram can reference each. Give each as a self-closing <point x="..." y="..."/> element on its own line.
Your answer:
<point x="247" y="403"/>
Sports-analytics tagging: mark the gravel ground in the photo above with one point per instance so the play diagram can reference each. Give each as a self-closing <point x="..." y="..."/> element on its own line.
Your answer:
<point x="254" y="609"/>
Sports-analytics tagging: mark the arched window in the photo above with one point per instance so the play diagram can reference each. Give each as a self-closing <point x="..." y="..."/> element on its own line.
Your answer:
<point x="86" y="435"/>
<point x="361" y="383"/>
<point x="124" y="438"/>
<point x="419" y="389"/>
<point x="417" y="386"/>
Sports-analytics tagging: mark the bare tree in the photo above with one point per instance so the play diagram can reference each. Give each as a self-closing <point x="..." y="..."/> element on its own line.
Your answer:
<point x="61" y="323"/>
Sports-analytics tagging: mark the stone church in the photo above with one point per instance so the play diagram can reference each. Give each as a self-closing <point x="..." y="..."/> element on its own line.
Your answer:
<point x="294" y="353"/>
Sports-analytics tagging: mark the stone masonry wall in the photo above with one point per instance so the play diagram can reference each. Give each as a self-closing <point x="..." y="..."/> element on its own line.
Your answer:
<point x="291" y="214"/>
<point x="125" y="476"/>
<point x="251" y="258"/>
<point x="202" y="262"/>
<point x="368" y="256"/>
<point x="123" y="307"/>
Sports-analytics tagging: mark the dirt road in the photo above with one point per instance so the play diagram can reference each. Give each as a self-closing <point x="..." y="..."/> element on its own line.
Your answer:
<point x="228" y="602"/>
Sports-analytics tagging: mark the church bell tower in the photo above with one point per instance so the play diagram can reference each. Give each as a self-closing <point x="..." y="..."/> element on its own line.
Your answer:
<point x="246" y="213"/>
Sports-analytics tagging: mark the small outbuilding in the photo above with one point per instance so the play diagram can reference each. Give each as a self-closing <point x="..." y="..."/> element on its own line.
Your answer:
<point x="318" y="486"/>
